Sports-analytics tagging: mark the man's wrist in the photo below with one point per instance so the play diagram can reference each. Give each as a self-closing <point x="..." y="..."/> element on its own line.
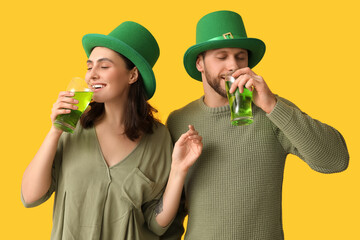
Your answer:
<point x="271" y="106"/>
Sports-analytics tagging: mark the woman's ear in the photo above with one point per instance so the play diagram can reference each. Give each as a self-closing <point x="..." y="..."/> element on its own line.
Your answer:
<point x="134" y="75"/>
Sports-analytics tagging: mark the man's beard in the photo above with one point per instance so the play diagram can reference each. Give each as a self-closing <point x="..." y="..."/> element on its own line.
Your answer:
<point x="214" y="83"/>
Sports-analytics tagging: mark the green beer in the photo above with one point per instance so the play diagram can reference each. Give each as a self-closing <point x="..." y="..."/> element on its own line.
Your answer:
<point x="67" y="122"/>
<point x="240" y="105"/>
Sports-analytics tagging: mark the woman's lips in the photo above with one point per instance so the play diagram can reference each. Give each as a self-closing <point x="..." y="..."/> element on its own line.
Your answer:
<point x="97" y="87"/>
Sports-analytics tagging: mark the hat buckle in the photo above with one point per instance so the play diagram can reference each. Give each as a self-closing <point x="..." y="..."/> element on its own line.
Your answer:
<point x="228" y="35"/>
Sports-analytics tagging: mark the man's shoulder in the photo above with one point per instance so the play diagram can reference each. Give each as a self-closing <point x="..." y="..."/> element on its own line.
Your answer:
<point x="188" y="108"/>
<point x="179" y="119"/>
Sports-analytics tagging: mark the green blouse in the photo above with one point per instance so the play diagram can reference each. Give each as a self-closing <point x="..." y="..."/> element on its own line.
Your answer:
<point x="94" y="201"/>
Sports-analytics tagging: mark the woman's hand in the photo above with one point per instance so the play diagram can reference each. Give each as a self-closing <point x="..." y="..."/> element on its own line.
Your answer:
<point x="187" y="149"/>
<point x="63" y="105"/>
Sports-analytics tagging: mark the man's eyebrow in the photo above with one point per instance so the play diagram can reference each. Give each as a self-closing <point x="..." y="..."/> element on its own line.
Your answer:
<point x="238" y="53"/>
<point x="241" y="52"/>
<point x="100" y="60"/>
<point x="221" y="51"/>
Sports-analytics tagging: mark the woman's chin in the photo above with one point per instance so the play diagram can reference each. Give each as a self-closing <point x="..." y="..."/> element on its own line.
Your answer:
<point x="98" y="99"/>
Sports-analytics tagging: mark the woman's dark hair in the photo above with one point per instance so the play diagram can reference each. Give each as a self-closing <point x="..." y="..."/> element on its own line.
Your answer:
<point x="139" y="116"/>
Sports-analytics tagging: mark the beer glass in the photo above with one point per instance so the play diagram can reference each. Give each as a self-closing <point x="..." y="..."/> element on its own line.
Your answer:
<point x="82" y="93"/>
<point x="240" y="103"/>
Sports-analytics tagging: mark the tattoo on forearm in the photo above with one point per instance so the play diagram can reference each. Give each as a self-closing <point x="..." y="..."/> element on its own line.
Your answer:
<point x="159" y="207"/>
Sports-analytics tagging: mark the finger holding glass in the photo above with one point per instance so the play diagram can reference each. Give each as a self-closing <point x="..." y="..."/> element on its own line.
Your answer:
<point x="262" y="95"/>
<point x="63" y="105"/>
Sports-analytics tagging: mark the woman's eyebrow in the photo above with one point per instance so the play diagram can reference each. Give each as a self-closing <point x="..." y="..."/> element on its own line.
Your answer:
<point x="100" y="60"/>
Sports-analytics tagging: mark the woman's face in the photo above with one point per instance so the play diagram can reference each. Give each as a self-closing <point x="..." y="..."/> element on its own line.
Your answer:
<point x="108" y="76"/>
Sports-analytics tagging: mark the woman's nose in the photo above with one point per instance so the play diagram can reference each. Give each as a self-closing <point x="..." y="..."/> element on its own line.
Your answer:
<point x="93" y="74"/>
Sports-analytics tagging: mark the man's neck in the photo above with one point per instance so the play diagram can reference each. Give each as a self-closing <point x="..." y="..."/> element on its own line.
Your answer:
<point x="213" y="99"/>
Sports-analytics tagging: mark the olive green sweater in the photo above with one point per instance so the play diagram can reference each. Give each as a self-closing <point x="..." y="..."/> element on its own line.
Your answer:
<point x="234" y="189"/>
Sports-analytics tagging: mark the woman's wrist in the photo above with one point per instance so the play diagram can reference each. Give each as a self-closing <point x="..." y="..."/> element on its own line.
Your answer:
<point x="54" y="131"/>
<point x="178" y="172"/>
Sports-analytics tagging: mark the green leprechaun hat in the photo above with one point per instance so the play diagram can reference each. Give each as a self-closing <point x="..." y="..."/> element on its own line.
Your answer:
<point x="222" y="29"/>
<point x="134" y="42"/>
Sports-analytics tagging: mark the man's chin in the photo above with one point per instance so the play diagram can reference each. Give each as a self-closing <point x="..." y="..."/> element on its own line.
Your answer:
<point x="217" y="84"/>
<point x="221" y="92"/>
<point x="221" y="88"/>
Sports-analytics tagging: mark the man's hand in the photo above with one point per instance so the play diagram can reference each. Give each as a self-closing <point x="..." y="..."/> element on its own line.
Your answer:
<point x="262" y="95"/>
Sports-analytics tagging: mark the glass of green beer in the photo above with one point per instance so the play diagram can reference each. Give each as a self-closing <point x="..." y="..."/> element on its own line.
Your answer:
<point x="240" y="103"/>
<point x="82" y="93"/>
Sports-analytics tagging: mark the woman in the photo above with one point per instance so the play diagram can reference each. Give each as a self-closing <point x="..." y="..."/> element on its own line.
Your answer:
<point x="109" y="175"/>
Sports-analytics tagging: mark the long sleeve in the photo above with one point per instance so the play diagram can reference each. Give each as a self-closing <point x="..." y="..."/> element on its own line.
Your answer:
<point x="322" y="147"/>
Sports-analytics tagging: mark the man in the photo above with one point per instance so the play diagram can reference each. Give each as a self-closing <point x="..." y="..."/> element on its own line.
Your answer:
<point x="234" y="190"/>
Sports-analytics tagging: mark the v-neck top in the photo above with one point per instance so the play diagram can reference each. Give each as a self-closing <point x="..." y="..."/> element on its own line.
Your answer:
<point x="94" y="201"/>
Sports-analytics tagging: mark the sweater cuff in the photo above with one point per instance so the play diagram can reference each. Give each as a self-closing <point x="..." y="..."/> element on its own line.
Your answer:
<point x="281" y="114"/>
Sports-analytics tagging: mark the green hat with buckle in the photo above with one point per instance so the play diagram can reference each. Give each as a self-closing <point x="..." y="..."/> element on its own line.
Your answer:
<point x="134" y="42"/>
<point x="222" y="29"/>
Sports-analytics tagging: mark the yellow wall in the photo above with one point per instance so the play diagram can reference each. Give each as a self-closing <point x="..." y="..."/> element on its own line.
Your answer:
<point x="311" y="59"/>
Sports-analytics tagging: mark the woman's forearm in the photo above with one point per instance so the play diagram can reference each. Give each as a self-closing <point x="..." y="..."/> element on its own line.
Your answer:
<point x="37" y="176"/>
<point x="186" y="151"/>
<point x="169" y="204"/>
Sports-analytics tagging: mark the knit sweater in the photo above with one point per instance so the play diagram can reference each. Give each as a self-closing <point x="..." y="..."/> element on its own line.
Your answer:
<point x="234" y="190"/>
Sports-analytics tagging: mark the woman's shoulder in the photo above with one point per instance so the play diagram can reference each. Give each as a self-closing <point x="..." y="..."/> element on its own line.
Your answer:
<point x="160" y="131"/>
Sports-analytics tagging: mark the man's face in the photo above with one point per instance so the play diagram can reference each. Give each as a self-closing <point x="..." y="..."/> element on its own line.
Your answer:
<point x="215" y="64"/>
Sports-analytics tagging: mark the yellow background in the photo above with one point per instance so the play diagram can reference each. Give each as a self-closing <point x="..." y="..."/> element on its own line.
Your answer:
<point x="312" y="59"/>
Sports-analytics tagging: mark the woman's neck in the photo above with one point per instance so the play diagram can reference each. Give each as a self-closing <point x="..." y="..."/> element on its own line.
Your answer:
<point x="113" y="117"/>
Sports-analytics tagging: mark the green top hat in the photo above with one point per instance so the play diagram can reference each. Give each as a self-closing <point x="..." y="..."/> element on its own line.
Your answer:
<point x="222" y="29"/>
<point x="134" y="42"/>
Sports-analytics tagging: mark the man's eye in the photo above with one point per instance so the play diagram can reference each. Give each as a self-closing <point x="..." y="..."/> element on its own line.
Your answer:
<point x="104" y="67"/>
<point x="221" y="57"/>
<point x="89" y="68"/>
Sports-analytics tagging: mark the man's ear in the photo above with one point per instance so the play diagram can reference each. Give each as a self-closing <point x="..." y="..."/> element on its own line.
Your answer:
<point x="200" y="63"/>
<point x="134" y="75"/>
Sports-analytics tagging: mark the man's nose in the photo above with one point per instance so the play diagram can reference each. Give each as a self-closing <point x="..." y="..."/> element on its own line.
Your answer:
<point x="232" y="64"/>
